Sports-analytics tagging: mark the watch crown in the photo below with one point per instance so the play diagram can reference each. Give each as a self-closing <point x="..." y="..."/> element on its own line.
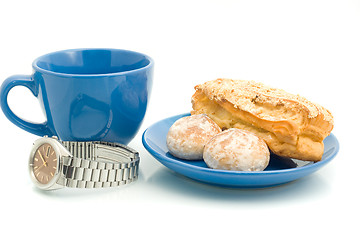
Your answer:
<point x="55" y="137"/>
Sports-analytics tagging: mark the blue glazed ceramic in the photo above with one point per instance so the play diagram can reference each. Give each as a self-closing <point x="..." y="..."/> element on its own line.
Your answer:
<point x="87" y="94"/>
<point x="278" y="172"/>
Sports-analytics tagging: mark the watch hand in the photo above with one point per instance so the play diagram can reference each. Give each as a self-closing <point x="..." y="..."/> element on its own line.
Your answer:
<point x="39" y="168"/>
<point x="44" y="162"/>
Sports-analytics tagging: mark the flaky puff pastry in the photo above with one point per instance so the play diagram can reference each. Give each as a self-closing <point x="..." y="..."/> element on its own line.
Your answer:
<point x="291" y="125"/>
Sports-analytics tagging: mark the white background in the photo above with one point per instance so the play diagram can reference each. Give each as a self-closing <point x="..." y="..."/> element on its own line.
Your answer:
<point x="311" y="48"/>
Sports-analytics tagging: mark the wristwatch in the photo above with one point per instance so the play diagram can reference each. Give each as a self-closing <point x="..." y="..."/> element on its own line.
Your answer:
<point x="54" y="164"/>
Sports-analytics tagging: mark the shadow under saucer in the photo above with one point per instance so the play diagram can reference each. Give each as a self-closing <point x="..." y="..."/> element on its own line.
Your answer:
<point x="177" y="184"/>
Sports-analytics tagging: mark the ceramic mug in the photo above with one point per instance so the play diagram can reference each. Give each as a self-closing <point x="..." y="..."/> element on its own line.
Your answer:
<point x="86" y="94"/>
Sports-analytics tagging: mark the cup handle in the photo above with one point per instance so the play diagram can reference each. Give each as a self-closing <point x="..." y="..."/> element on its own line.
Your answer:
<point x="40" y="129"/>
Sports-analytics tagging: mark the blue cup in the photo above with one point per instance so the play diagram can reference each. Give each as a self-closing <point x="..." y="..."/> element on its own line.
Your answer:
<point x="86" y="94"/>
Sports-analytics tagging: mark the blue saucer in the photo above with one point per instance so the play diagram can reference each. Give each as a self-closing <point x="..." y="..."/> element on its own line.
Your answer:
<point x="278" y="172"/>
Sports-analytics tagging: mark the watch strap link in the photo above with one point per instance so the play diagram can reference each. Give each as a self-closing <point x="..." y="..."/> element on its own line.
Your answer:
<point x="99" y="164"/>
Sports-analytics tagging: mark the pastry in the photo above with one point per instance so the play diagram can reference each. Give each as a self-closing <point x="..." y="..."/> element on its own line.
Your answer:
<point x="291" y="125"/>
<point x="188" y="135"/>
<point x="237" y="150"/>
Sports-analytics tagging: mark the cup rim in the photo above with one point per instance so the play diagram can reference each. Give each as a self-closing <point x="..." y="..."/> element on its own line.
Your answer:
<point x="42" y="70"/>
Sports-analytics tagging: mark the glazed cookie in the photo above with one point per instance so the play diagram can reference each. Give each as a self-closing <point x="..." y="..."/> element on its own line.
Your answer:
<point x="187" y="136"/>
<point x="237" y="150"/>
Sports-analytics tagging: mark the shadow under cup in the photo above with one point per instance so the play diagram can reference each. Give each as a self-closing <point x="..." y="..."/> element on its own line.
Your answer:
<point x="87" y="94"/>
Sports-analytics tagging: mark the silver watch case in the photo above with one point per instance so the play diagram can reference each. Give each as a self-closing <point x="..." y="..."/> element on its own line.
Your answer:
<point x="60" y="152"/>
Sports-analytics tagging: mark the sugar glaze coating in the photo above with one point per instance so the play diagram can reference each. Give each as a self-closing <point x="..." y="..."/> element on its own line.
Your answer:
<point x="237" y="150"/>
<point x="187" y="136"/>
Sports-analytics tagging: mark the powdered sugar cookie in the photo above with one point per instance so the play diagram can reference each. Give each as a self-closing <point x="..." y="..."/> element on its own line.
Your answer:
<point x="238" y="150"/>
<point x="187" y="136"/>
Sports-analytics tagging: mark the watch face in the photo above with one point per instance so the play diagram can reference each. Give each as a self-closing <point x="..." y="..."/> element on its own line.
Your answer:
<point x="44" y="163"/>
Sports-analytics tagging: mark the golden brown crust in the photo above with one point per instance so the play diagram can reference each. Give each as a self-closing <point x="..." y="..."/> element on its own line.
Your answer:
<point x="291" y="125"/>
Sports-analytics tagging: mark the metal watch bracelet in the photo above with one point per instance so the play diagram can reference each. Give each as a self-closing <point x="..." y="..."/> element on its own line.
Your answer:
<point x="98" y="165"/>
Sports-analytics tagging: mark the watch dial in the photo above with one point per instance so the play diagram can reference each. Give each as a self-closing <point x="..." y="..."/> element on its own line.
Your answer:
<point x="44" y="163"/>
